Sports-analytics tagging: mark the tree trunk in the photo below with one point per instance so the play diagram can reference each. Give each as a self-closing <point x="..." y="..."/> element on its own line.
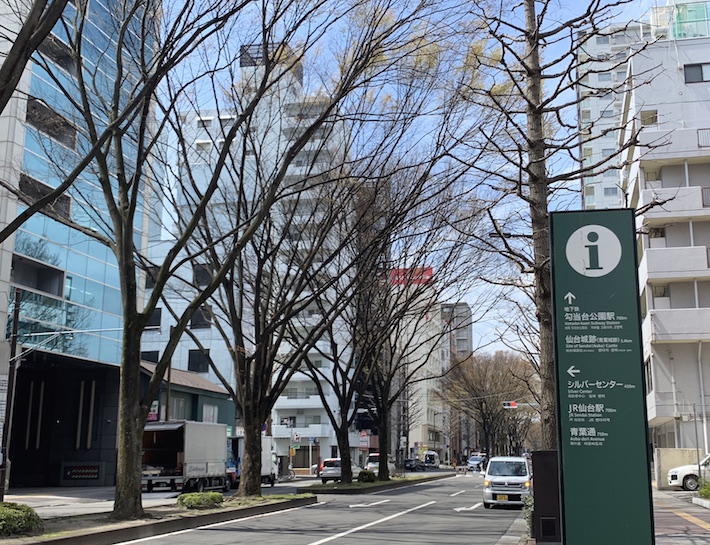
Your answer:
<point x="346" y="461"/>
<point x="131" y="422"/>
<point x="250" y="478"/>
<point x="383" y="433"/>
<point x="540" y="227"/>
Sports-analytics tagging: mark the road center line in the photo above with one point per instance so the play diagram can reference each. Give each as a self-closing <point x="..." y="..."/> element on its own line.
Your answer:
<point x="373" y="523"/>
<point x="457" y="493"/>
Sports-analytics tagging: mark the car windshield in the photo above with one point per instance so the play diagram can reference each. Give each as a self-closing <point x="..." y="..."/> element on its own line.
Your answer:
<point x="373" y="459"/>
<point x="507" y="469"/>
<point x="429" y="458"/>
<point x="332" y="463"/>
<point x="474" y="459"/>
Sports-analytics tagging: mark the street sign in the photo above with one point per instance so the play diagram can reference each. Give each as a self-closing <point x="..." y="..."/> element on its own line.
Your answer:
<point x="510" y="405"/>
<point x="600" y="385"/>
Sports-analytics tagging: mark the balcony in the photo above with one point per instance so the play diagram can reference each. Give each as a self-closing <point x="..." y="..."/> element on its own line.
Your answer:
<point x="660" y="408"/>
<point x="668" y="264"/>
<point x="299" y="402"/>
<point x="683" y="202"/>
<point x="312" y="430"/>
<point x="677" y="325"/>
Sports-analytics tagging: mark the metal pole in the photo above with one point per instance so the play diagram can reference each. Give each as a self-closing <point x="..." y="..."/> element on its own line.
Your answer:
<point x="9" y="401"/>
<point x="697" y="445"/>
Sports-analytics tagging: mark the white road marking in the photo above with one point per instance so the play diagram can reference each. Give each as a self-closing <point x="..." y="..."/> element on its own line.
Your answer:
<point x="373" y="523"/>
<point x="217" y="524"/>
<point x="457" y="493"/>
<point x="369" y="504"/>
<point x="459" y="509"/>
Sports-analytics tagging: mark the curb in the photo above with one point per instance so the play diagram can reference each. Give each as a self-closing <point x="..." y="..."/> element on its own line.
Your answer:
<point x="372" y="490"/>
<point x="109" y="537"/>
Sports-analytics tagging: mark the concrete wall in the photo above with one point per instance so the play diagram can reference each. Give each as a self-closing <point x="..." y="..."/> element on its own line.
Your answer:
<point x="667" y="458"/>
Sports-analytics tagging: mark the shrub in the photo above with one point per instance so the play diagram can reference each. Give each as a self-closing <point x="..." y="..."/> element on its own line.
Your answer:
<point x="200" y="500"/>
<point x="18" y="519"/>
<point x="704" y="490"/>
<point x="367" y="476"/>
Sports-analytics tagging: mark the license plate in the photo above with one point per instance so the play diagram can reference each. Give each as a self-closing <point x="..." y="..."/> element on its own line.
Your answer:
<point x="502" y="497"/>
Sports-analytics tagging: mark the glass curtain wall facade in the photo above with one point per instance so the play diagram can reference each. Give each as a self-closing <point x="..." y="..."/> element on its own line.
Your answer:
<point x="66" y="399"/>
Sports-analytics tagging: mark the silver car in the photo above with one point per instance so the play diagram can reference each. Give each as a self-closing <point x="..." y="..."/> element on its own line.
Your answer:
<point x="331" y="470"/>
<point x="507" y="481"/>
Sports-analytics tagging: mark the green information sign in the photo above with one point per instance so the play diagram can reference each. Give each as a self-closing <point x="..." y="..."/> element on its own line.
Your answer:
<point x="603" y="434"/>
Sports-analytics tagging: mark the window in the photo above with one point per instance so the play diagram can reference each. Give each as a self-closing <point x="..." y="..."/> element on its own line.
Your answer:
<point x="202" y="274"/>
<point x="150" y="355"/>
<point x="210" y="413"/>
<point x="608" y="113"/>
<point x="611" y="191"/>
<point x="54" y="125"/>
<point x="661" y="290"/>
<point x="155" y="318"/>
<point x="607" y="152"/>
<point x="649" y="117"/>
<point x="36" y="275"/>
<point x="151" y="273"/>
<point x="203" y="147"/>
<point x="604" y="78"/>
<point x="657" y="232"/>
<point x="226" y="122"/>
<point x="695" y="73"/>
<point x="198" y="361"/>
<point x="602" y="40"/>
<point x="35" y="190"/>
<point x="177" y="408"/>
<point x="204" y="122"/>
<point x="201" y="319"/>
<point x="58" y="52"/>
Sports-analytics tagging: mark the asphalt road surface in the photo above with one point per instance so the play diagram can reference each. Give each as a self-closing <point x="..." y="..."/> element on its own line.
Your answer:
<point x="444" y="512"/>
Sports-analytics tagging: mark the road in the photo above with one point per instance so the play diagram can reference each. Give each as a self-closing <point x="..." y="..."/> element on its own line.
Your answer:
<point x="447" y="512"/>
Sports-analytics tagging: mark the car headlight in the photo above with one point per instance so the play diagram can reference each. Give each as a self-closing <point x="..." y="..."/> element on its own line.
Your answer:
<point x="527" y="484"/>
<point x="486" y="484"/>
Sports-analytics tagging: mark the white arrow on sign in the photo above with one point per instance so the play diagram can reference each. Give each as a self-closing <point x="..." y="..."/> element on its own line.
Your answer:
<point x="570" y="297"/>
<point x="369" y="504"/>
<point x="459" y="509"/>
<point x="572" y="371"/>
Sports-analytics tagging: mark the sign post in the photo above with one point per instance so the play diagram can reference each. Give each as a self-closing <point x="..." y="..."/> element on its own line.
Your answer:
<point x="603" y="431"/>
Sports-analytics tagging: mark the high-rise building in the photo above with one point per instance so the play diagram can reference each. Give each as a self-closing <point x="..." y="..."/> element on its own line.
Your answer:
<point x="255" y="159"/>
<point x="667" y="180"/>
<point x="69" y="317"/>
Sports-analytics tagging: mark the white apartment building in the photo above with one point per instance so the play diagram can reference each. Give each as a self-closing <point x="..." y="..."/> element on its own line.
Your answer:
<point x="668" y="181"/>
<point x="299" y="417"/>
<point x="602" y="74"/>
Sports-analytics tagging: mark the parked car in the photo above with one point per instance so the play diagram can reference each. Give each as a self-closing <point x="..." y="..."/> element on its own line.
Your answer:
<point x="687" y="476"/>
<point x="507" y="481"/>
<point x="373" y="463"/>
<point x="413" y="464"/>
<point x="331" y="470"/>
<point x="477" y="462"/>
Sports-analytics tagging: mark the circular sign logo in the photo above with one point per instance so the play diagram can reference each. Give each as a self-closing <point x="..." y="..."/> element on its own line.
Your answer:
<point x="593" y="251"/>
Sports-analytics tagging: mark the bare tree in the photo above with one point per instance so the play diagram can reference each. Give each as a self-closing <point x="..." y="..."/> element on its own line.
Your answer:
<point x="479" y="387"/>
<point x="528" y="74"/>
<point x="284" y="293"/>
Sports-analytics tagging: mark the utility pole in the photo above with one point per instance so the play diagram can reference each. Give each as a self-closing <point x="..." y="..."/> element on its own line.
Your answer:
<point x="10" y="399"/>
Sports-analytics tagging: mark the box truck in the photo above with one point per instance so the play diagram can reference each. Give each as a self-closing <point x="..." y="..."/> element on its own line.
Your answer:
<point x="269" y="460"/>
<point x="184" y="455"/>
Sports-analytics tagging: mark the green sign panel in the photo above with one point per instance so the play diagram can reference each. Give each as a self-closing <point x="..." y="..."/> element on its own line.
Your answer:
<point x="603" y="435"/>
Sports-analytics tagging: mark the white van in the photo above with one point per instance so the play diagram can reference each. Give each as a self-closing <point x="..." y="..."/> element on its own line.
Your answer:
<point x="431" y="459"/>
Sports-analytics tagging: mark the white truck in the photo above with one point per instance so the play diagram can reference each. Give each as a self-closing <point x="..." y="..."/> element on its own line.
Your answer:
<point x="184" y="455"/>
<point x="269" y="460"/>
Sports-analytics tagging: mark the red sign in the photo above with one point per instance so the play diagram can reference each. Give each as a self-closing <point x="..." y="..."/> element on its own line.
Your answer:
<point x="410" y="277"/>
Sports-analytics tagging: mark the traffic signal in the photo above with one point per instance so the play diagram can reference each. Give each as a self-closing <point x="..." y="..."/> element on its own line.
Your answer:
<point x="510" y="405"/>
